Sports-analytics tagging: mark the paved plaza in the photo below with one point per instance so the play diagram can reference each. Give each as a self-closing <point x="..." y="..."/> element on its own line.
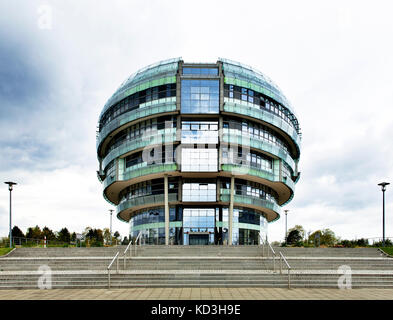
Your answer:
<point x="198" y="294"/>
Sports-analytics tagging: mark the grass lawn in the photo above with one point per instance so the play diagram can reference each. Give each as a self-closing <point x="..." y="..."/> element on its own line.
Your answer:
<point x="4" y="251"/>
<point x="388" y="250"/>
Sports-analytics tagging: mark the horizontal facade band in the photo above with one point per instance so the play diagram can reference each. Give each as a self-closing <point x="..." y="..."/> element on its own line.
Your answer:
<point x="118" y="123"/>
<point x="243" y="108"/>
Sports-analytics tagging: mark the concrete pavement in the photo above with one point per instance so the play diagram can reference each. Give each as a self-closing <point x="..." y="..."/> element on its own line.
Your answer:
<point x="198" y="294"/>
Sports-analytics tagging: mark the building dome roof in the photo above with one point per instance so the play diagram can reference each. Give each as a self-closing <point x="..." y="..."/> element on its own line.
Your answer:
<point x="232" y="69"/>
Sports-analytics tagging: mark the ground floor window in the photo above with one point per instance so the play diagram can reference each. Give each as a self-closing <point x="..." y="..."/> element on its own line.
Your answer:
<point x="199" y="226"/>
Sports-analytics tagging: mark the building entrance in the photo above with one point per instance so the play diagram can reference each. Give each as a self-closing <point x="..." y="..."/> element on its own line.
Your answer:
<point x="199" y="239"/>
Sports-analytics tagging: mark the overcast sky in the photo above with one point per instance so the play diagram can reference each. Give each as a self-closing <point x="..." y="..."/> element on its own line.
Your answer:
<point x="61" y="60"/>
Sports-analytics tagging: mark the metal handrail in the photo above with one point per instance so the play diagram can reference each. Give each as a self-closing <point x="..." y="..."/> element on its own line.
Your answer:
<point x="110" y="265"/>
<point x="289" y="269"/>
<point x="273" y="256"/>
<point x="128" y="249"/>
<point x="262" y="242"/>
<point x="124" y="254"/>
<point x="268" y="249"/>
<point x="136" y="241"/>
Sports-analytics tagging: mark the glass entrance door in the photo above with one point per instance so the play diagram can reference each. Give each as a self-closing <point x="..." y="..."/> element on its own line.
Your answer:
<point x="198" y="226"/>
<point x="199" y="239"/>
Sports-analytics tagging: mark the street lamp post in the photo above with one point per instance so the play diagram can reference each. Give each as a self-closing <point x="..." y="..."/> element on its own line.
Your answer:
<point x="383" y="186"/>
<point x="111" y="210"/>
<point x="10" y="187"/>
<point x="286" y="214"/>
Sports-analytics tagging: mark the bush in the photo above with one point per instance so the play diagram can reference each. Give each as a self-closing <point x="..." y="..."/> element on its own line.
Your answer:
<point x="95" y="243"/>
<point x="299" y="244"/>
<point x="388" y="243"/>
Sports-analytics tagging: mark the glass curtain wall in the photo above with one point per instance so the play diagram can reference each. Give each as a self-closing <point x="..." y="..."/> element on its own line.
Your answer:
<point x="200" y="96"/>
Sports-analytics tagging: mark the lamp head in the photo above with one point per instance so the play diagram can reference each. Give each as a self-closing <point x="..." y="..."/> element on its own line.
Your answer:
<point x="383" y="185"/>
<point x="10" y="184"/>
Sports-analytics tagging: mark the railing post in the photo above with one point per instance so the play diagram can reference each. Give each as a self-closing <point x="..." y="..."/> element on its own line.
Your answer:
<point x="274" y="264"/>
<point x="280" y="264"/>
<point x="117" y="264"/>
<point x="109" y="279"/>
<point x="289" y="278"/>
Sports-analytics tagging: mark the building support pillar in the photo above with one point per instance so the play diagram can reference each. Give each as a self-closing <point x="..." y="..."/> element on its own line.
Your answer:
<point x="166" y="209"/>
<point x="230" y="217"/>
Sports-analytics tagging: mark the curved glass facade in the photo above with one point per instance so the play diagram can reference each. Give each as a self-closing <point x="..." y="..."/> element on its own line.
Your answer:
<point x="199" y="226"/>
<point x="198" y="153"/>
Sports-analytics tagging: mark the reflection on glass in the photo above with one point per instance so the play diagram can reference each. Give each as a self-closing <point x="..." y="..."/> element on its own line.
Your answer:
<point x="200" y="96"/>
<point x="199" y="192"/>
<point x="200" y="71"/>
<point x="199" y="132"/>
<point x="199" y="160"/>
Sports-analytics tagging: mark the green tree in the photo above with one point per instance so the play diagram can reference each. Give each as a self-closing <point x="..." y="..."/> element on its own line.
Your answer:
<point x="125" y="241"/>
<point x="64" y="235"/>
<point x="48" y="233"/>
<point x="34" y="233"/>
<point x="300" y="229"/>
<point x="99" y="235"/>
<point x="17" y="233"/>
<point x="328" y="238"/>
<point x="312" y="238"/>
<point x="96" y="237"/>
<point x="294" y="237"/>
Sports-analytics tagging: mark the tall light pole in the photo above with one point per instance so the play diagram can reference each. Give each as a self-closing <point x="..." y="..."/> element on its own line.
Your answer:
<point x="10" y="187"/>
<point x="383" y="185"/>
<point x="111" y="210"/>
<point x="286" y="214"/>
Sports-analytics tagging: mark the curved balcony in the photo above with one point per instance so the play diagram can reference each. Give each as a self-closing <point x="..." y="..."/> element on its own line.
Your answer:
<point x="285" y="187"/>
<point x="125" y="208"/>
<point x="158" y="137"/>
<point x="156" y="225"/>
<point x="113" y="186"/>
<point x="236" y="136"/>
<point x="271" y="208"/>
<point x="238" y="225"/>
<point x="163" y="105"/>
<point x="247" y="109"/>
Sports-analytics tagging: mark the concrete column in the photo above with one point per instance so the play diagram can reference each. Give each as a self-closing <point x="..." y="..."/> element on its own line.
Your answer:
<point x="166" y="209"/>
<point x="230" y="218"/>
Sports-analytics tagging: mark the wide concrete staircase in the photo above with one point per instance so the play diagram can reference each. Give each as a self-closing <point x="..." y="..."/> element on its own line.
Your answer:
<point x="194" y="266"/>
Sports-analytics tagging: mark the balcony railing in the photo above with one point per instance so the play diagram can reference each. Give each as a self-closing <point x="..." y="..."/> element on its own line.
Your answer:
<point x="242" y="108"/>
<point x="145" y="200"/>
<point x="163" y="105"/>
<point x="244" y="199"/>
<point x="139" y="170"/>
<point x="236" y="136"/>
<point x="158" y="137"/>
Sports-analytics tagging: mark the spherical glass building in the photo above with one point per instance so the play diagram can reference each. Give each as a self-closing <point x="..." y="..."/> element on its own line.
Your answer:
<point x="198" y="153"/>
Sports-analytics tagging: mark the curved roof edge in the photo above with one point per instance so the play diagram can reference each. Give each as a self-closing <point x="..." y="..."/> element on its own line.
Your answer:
<point x="261" y="76"/>
<point x="134" y="78"/>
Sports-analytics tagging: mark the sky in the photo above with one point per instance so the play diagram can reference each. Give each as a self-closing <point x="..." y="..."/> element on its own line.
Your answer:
<point x="61" y="60"/>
